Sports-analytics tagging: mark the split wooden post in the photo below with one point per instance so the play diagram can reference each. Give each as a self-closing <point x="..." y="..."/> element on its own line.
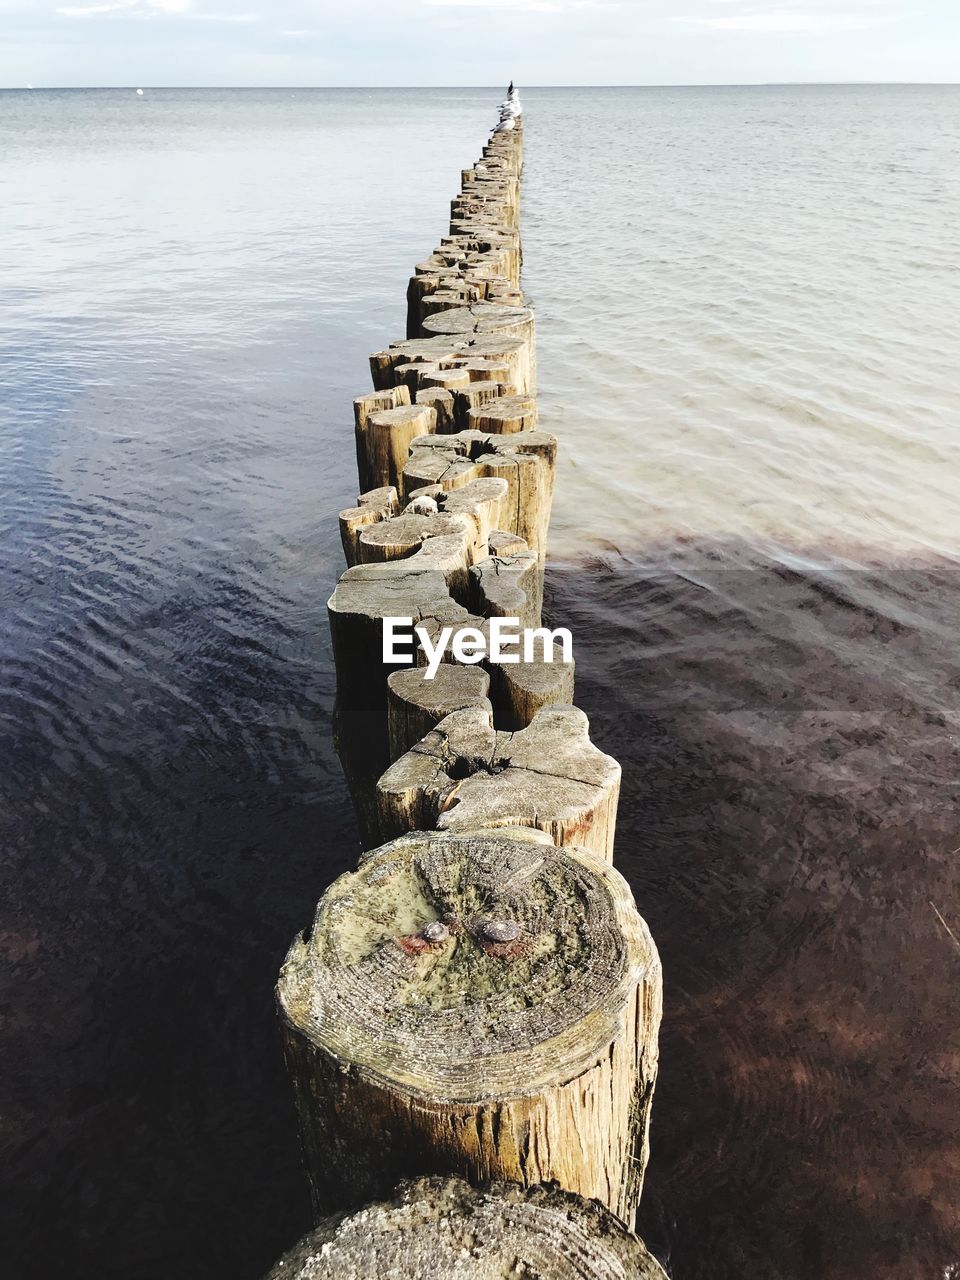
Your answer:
<point x="484" y="1005"/>
<point x="509" y="586"/>
<point x="444" y="1229"/>
<point x="465" y="774"/>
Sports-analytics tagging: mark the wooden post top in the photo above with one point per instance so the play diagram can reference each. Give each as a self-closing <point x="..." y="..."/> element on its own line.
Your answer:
<point x="457" y="969"/>
<point x="444" y="1229"/>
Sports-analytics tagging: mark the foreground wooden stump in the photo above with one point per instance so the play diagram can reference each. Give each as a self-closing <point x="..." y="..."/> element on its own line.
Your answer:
<point x="465" y="775"/>
<point x="486" y="1005"/>
<point x="444" y="1229"/>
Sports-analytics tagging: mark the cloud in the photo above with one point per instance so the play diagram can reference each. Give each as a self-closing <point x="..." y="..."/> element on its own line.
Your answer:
<point x="89" y="11"/>
<point x="787" y="22"/>
<point x="513" y="6"/>
<point x="145" y="7"/>
<point x="523" y="6"/>
<point x="153" y="9"/>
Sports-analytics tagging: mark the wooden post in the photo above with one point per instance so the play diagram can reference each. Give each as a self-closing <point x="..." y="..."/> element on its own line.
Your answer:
<point x="386" y="439"/>
<point x="473" y="396"/>
<point x="505" y="415"/>
<point x="415" y="705"/>
<point x="444" y="1229"/>
<point x="378" y="504"/>
<point x="480" y="1005"/>
<point x="527" y="462"/>
<point x="363" y="406"/>
<point x="441" y="402"/>
<point x="518" y="692"/>
<point x="509" y="585"/>
<point x="465" y="774"/>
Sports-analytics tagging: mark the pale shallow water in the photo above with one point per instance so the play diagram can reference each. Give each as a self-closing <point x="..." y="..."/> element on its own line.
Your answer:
<point x="748" y="314"/>
<point x="747" y="303"/>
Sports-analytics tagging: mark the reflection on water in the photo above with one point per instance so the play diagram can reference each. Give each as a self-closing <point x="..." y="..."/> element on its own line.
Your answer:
<point x="749" y="323"/>
<point x="190" y="293"/>
<point x="748" y="336"/>
<point x="791" y="754"/>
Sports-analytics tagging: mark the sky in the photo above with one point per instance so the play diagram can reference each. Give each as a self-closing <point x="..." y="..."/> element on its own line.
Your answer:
<point x="475" y="42"/>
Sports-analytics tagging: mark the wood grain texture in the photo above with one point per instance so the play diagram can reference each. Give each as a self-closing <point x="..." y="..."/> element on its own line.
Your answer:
<point x="363" y="406"/>
<point x="386" y="438"/>
<point x="444" y="1229"/>
<point x="415" y="705"/>
<point x="465" y="774"/>
<point x="485" y="1005"/>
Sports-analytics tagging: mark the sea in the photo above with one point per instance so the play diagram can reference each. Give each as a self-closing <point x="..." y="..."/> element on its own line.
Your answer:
<point x="748" y="309"/>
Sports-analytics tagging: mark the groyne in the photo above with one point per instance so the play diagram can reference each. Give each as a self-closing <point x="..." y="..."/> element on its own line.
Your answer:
<point x="473" y="1016"/>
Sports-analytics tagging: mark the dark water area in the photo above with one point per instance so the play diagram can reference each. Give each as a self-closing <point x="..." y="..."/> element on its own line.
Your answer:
<point x="172" y="809"/>
<point x="791" y="762"/>
<point x="191" y="295"/>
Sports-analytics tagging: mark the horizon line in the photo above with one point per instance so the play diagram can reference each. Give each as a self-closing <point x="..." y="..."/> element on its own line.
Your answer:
<point x="348" y="88"/>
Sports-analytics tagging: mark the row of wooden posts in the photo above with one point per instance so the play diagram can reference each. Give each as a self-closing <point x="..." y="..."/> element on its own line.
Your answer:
<point x="471" y="1021"/>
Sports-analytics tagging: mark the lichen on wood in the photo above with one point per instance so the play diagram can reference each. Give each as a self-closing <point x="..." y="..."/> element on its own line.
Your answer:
<point x="520" y="1044"/>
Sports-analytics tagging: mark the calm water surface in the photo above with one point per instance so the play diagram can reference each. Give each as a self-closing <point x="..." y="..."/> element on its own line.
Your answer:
<point x="749" y="318"/>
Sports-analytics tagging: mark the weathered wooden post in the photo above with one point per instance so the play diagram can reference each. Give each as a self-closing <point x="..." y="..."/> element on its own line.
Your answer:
<point x="484" y="1005"/>
<point x="480" y="997"/>
<point x="415" y="705"/>
<point x="465" y="774"/>
<point x="444" y="1229"/>
<point x="386" y="439"/>
<point x="519" y="691"/>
